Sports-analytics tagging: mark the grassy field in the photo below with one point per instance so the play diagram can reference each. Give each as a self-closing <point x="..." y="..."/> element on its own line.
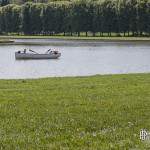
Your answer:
<point x="80" y="38"/>
<point x="98" y="112"/>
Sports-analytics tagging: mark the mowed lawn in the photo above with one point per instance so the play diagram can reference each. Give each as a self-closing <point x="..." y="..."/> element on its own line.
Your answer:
<point x="73" y="113"/>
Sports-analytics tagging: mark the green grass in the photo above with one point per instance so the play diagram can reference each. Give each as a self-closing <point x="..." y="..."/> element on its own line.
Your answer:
<point x="98" y="112"/>
<point x="79" y="38"/>
<point x="3" y="41"/>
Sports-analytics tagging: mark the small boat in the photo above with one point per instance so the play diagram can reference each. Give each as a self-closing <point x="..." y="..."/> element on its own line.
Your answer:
<point x="34" y="55"/>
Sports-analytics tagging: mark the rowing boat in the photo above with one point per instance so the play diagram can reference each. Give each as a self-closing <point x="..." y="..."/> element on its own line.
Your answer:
<point x="35" y="55"/>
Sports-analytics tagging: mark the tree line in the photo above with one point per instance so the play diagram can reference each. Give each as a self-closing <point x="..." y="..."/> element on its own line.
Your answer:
<point x="19" y="2"/>
<point x="121" y="17"/>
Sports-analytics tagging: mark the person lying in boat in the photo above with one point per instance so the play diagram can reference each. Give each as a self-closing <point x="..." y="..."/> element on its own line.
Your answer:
<point x="55" y="52"/>
<point x="51" y="51"/>
<point x="48" y="51"/>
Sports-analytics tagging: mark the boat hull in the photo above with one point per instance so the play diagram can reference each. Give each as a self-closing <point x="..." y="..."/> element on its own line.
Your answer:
<point x="36" y="56"/>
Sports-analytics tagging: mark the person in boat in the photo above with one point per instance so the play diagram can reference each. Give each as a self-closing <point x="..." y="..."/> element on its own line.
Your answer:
<point x="55" y="52"/>
<point x="48" y="51"/>
<point x="24" y="51"/>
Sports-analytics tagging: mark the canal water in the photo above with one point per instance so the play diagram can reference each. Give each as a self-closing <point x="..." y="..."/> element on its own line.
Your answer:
<point x="79" y="58"/>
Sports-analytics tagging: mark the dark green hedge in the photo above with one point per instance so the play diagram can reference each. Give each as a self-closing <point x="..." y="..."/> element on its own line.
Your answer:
<point x="108" y="16"/>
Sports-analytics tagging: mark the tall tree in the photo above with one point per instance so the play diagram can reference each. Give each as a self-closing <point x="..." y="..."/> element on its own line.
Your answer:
<point x="4" y="2"/>
<point x="26" y="18"/>
<point x="36" y="18"/>
<point x="1" y="25"/>
<point x="133" y="17"/>
<point x="109" y="15"/>
<point x="49" y="18"/>
<point x="124" y="17"/>
<point x="81" y="16"/>
<point x="98" y="18"/>
<point x="16" y="15"/>
<point x="148" y="21"/>
<point x="142" y="16"/>
<point x="7" y="14"/>
<point x="77" y="16"/>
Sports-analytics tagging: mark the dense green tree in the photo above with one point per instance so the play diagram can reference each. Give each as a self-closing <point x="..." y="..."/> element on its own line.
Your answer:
<point x="109" y="16"/>
<point x="10" y="17"/>
<point x="142" y="16"/>
<point x="36" y="18"/>
<point x="49" y="18"/>
<point x="1" y="25"/>
<point x="59" y="17"/>
<point x="103" y="16"/>
<point x="76" y="13"/>
<point x="124" y="17"/>
<point x="133" y="7"/>
<point x="26" y="18"/>
<point x="91" y="17"/>
<point x="7" y="17"/>
<point x="98" y="18"/>
<point x="67" y="18"/>
<point x="16" y="15"/>
<point x="4" y="2"/>
<point x="147" y="30"/>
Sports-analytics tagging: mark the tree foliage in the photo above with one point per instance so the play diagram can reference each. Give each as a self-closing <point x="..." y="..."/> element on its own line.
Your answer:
<point x="101" y="16"/>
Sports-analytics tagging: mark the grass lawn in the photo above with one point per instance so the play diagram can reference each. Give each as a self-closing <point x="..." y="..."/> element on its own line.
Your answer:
<point x="3" y="41"/>
<point x="98" y="112"/>
<point x="113" y="38"/>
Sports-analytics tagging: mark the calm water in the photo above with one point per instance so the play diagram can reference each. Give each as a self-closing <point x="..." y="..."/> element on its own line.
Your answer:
<point x="79" y="58"/>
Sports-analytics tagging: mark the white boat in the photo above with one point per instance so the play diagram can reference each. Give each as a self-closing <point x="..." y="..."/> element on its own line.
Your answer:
<point x="34" y="55"/>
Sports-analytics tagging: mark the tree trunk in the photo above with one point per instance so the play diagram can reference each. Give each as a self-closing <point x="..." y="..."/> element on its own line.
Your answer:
<point x="141" y="33"/>
<point x="86" y="33"/>
<point x="78" y="33"/>
<point x="124" y="34"/>
<point x="133" y="33"/>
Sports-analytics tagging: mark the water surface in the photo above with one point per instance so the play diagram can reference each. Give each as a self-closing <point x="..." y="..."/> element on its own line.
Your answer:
<point x="79" y="58"/>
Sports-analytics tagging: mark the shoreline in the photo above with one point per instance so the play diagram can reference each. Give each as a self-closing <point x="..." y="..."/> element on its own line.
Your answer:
<point x="76" y="77"/>
<point x="104" y="39"/>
